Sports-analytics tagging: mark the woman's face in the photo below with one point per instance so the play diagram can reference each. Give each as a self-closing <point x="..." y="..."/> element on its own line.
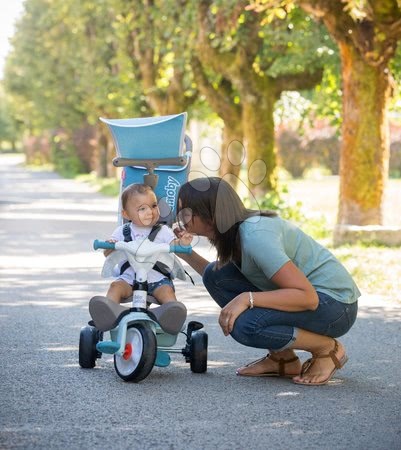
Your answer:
<point x="193" y="223"/>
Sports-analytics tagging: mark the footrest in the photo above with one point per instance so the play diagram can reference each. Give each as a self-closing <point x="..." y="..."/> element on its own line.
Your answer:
<point x="110" y="347"/>
<point x="162" y="359"/>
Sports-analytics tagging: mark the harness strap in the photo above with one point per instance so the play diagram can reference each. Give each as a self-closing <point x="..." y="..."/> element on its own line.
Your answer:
<point x="159" y="267"/>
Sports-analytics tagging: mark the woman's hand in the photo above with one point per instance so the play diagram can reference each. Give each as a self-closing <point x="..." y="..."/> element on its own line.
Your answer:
<point x="232" y="310"/>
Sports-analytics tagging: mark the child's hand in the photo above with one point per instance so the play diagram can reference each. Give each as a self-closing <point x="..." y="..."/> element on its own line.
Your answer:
<point x="108" y="251"/>
<point x="177" y="230"/>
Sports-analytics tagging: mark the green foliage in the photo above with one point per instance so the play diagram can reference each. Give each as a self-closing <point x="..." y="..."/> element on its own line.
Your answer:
<point x="106" y="186"/>
<point x="395" y="67"/>
<point x="292" y="210"/>
<point x="302" y="154"/>
<point x="326" y="100"/>
<point x="291" y="40"/>
<point x="278" y="201"/>
<point x="8" y="125"/>
<point x="65" y="159"/>
<point x="295" y="43"/>
<point x="63" y="66"/>
<point x="75" y="60"/>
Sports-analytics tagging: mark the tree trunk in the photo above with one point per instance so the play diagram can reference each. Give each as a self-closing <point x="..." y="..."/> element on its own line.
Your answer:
<point x="258" y="125"/>
<point x="102" y="156"/>
<point x="232" y="153"/>
<point x="365" y="134"/>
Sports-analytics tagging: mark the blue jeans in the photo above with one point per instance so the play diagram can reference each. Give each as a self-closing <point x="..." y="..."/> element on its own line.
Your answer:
<point x="269" y="328"/>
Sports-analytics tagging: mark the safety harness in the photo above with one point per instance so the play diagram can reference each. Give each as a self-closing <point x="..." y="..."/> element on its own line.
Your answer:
<point x="159" y="267"/>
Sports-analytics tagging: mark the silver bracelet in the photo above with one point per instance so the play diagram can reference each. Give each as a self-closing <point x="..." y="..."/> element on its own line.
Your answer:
<point x="250" y="300"/>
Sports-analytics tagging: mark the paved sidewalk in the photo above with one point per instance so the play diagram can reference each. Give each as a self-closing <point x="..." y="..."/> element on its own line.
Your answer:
<point x="48" y="272"/>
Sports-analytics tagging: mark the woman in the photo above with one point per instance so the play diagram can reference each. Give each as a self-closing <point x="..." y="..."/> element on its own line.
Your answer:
<point x="278" y="288"/>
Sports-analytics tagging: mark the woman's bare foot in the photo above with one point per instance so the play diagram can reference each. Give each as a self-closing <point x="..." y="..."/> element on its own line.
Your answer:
<point x="285" y="364"/>
<point x="321" y="367"/>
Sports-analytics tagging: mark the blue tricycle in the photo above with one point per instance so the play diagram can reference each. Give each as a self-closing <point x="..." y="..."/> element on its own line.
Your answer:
<point x="154" y="151"/>
<point x="141" y="336"/>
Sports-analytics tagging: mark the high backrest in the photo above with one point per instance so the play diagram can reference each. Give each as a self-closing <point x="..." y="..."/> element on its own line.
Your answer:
<point x="148" y="137"/>
<point x="140" y="142"/>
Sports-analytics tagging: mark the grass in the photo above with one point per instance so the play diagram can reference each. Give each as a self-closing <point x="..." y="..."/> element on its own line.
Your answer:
<point x="375" y="268"/>
<point x="106" y="186"/>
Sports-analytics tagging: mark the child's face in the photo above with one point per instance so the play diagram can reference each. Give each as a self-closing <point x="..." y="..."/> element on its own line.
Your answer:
<point x="142" y="209"/>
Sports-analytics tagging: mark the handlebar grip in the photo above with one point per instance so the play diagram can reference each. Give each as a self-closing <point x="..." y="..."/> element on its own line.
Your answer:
<point x="103" y="244"/>
<point x="181" y="249"/>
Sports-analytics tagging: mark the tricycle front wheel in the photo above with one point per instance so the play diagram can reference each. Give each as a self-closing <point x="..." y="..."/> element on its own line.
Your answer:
<point x="139" y="355"/>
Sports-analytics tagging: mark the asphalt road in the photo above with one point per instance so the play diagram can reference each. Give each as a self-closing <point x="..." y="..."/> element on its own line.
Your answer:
<point x="49" y="272"/>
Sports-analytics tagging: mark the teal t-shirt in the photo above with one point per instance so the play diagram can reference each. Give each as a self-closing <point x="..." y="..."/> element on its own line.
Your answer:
<point x="267" y="243"/>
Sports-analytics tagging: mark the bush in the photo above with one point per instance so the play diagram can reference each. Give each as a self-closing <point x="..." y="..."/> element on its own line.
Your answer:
<point x="298" y="156"/>
<point x="395" y="160"/>
<point x="65" y="158"/>
<point x="279" y="201"/>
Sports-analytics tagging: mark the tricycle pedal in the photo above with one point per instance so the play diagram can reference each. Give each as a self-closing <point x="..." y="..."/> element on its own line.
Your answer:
<point x="162" y="359"/>
<point x="109" y="347"/>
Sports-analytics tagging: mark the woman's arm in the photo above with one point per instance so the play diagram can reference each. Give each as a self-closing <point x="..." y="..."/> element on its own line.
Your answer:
<point x="196" y="261"/>
<point x="295" y="293"/>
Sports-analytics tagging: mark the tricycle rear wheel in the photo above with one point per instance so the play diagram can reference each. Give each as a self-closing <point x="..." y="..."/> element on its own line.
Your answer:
<point x="198" y="351"/>
<point x="88" y="338"/>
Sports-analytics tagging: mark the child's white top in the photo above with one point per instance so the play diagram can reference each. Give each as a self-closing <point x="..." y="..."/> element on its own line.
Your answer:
<point x="165" y="235"/>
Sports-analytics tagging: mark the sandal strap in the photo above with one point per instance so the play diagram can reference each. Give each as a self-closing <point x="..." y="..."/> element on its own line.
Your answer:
<point x="281" y="363"/>
<point x="307" y="365"/>
<point x="252" y="363"/>
<point x="332" y="355"/>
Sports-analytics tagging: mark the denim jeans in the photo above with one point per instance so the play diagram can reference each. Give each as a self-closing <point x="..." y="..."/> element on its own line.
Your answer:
<point x="270" y="328"/>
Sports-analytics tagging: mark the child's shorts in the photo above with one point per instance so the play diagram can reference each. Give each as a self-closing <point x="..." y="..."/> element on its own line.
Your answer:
<point x="153" y="286"/>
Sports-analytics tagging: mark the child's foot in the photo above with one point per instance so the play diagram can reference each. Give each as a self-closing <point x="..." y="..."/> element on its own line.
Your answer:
<point x="105" y="312"/>
<point x="170" y="316"/>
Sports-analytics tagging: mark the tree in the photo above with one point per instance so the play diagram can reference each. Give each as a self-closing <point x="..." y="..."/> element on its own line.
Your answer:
<point x="158" y="42"/>
<point x="65" y="70"/>
<point x="8" y="125"/>
<point x="221" y="96"/>
<point x="260" y="61"/>
<point x="367" y="33"/>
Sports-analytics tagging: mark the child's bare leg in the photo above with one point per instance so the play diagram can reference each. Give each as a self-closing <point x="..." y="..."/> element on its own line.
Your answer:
<point x="164" y="294"/>
<point x="119" y="290"/>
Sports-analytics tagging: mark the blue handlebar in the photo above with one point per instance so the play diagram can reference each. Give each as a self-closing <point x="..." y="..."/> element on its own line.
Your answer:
<point x="103" y="244"/>
<point x="111" y="245"/>
<point x="181" y="249"/>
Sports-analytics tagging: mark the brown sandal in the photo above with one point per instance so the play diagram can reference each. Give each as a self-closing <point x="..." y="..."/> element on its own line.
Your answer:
<point x="338" y="364"/>
<point x="281" y="367"/>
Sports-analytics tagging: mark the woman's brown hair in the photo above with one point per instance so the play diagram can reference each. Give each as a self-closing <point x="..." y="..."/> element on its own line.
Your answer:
<point x="217" y="203"/>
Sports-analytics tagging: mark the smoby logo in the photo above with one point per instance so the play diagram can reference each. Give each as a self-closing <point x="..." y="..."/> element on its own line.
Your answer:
<point x="171" y="191"/>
